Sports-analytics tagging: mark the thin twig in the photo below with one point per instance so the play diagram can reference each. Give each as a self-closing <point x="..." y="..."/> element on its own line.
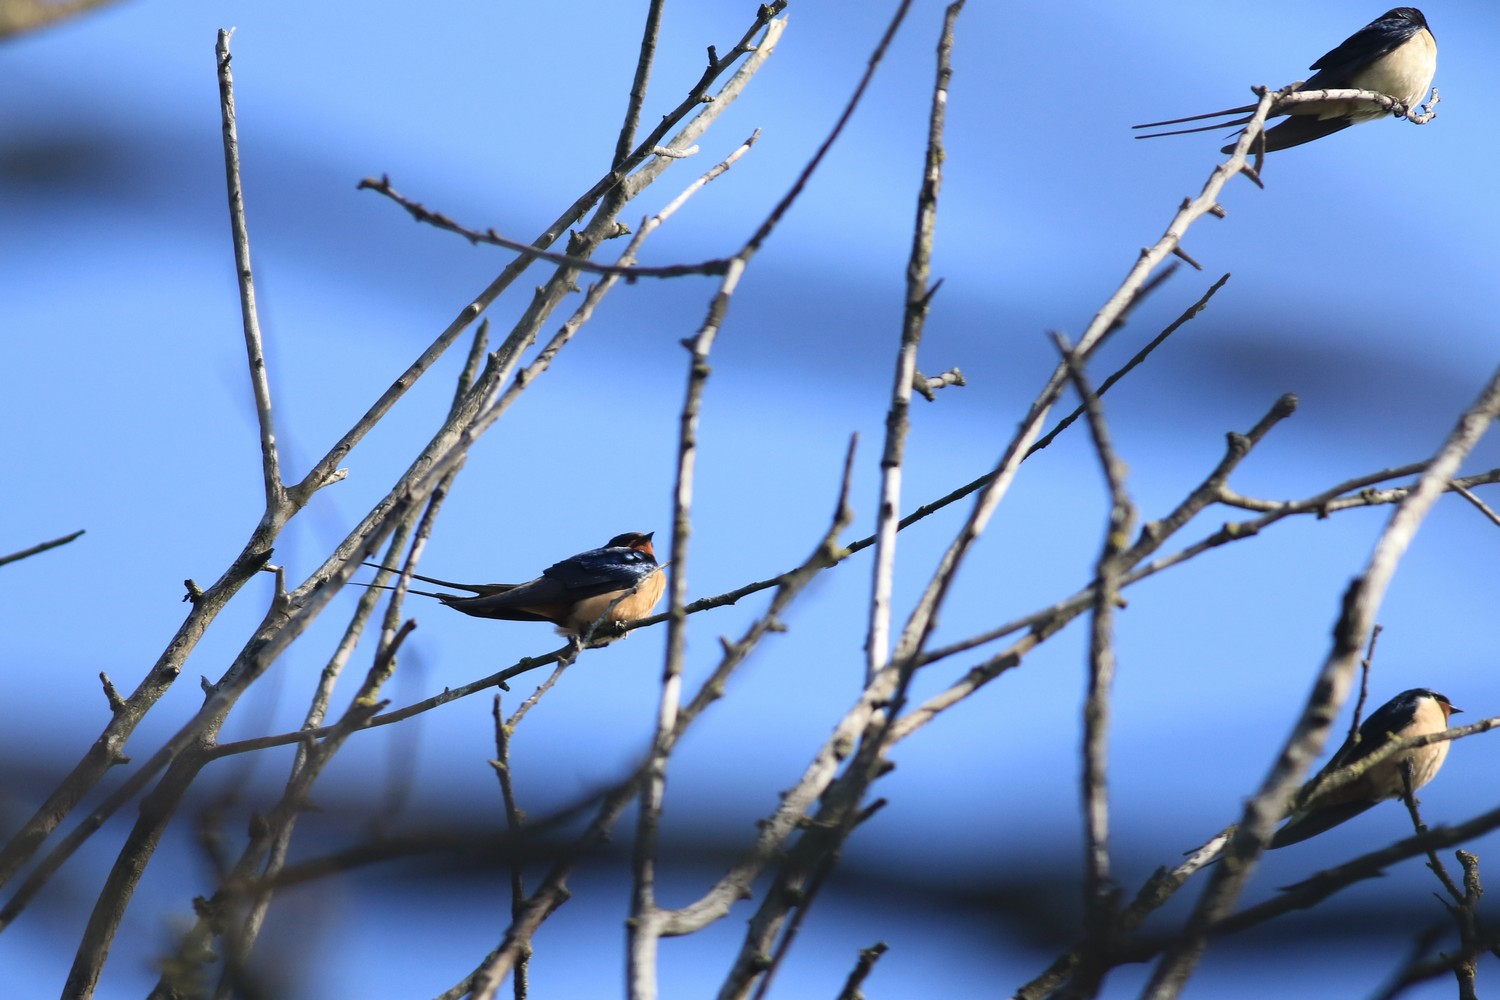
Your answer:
<point x="650" y="789"/>
<point x="513" y="817"/>
<point x="862" y="969"/>
<point x="272" y="840"/>
<point x="1413" y="809"/>
<point x="259" y="383"/>
<point x="536" y="696"/>
<point x="1337" y="95"/>
<point x="300" y="607"/>
<point x="487" y="403"/>
<point x="1462" y="491"/>
<point x="927" y="385"/>
<point x="1191" y="312"/>
<point x="628" y="271"/>
<point x="1473" y="934"/>
<point x="1101" y="897"/>
<point x="913" y="324"/>
<point x="39" y="547"/>
<point x="953" y="496"/>
<point x="1364" y="687"/>
<point x="643" y="64"/>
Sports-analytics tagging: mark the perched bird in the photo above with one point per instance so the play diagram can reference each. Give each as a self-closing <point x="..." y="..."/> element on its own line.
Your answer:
<point x="572" y="594"/>
<point x="1395" y="55"/>
<point x="1411" y="713"/>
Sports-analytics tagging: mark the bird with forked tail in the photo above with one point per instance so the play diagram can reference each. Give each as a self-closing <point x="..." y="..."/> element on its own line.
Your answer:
<point x="575" y="594"/>
<point x="1395" y="55"/>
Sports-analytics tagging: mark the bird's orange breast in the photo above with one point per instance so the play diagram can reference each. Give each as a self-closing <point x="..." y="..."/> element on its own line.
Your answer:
<point x="636" y="604"/>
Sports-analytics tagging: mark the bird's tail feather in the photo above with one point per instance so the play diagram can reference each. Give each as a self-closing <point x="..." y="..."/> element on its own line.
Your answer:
<point x="484" y="589"/>
<point x="1310" y="824"/>
<point x="1198" y="118"/>
<point x="1298" y="129"/>
<point x="386" y="586"/>
<point x="1185" y="131"/>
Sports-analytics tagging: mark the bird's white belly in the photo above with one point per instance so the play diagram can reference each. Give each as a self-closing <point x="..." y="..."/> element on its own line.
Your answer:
<point x="1404" y="74"/>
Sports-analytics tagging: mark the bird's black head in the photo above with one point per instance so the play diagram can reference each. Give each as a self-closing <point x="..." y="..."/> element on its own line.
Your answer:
<point x="1408" y="701"/>
<point x="633" y="540"/>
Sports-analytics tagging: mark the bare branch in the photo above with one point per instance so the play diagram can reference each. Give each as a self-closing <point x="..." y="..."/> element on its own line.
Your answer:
<point x="1397" y="108"/>
<point x="643" y="64"/>
<point x="259" y="383"/>
<point x="1100" y="894"/>
<point x="928" y="385"/>
<point x="1190" y="313"/>
<point x="914" y="322"/>
<point x="513" y="817"/>
<point x="40" y="547"/>
<point x="867" y="959"/>
<point x="1413" y="808"/>
<point x="1468" y="495"/>
<point x="628" y="271"/>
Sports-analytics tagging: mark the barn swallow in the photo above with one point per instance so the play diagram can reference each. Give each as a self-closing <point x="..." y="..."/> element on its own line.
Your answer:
<point x="572" y="594"/>
<point x="1417" y="712"/>
<point x="1395" y="55"/>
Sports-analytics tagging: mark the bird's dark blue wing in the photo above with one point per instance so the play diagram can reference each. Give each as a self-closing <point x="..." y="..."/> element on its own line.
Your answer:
<point x="599" y="571"/>
<point x="1392" y="717"/>
<point x="1338" y="65"/>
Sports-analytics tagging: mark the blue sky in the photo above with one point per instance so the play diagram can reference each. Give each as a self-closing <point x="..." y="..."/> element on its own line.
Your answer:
<point x="1363" y="280"/>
